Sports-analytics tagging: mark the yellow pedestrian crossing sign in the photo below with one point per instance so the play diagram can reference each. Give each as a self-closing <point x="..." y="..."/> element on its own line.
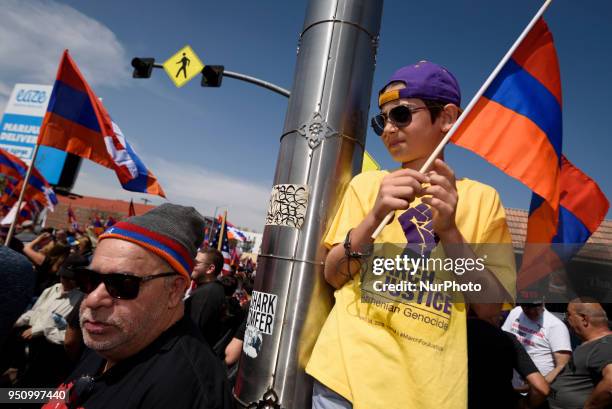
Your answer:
<point x="183" y="66"/>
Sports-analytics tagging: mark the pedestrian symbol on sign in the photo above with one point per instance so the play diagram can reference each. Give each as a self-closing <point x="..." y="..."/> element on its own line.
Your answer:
<point x="188" y="63"/>
<point x="184" y="63"/>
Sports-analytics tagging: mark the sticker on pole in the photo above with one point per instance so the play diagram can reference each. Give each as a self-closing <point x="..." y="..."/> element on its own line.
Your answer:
<point x="252" y="342"/>
<point x="288" y="204"/>
<point x="183" y="66"/>
<point x="262" y="311"/>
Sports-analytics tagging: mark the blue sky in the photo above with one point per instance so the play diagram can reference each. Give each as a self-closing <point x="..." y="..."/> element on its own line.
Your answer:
<point x="218" y="147"/>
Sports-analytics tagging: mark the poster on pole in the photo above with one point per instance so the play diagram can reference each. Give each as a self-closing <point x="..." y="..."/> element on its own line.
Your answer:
<point x="20" y="126"/>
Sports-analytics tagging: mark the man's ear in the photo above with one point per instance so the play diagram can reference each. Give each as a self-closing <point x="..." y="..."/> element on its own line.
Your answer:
<point x="448" y="116"/>
<point x="177" y="286"/>
<point x="212" y="270"/>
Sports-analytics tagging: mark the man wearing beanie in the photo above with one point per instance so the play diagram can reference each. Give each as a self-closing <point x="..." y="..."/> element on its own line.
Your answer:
<point x="145" y="352"/>
<point x="410" y="354"/>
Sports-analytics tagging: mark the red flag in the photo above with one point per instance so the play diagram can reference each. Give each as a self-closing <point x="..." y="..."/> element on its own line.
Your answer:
<point x="583" y="207"/>
<point x="516" y="125"/>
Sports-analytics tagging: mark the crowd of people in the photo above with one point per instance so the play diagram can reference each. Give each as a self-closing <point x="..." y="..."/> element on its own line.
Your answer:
<point x="142" y="316"/>
<point x="53" y="275"/>
<point x="521" y="358"/>
<point x="531" y="361"/>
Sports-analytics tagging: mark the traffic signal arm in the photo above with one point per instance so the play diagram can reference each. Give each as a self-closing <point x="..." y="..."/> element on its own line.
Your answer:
<point x="212" y="75"/>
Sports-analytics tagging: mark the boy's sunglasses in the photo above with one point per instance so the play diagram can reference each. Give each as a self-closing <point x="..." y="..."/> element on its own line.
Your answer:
<point x="399" y="116"/>
<point x="118" y="285"/>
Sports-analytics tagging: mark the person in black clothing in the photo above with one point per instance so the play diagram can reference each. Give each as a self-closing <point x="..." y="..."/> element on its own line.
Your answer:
<point x="146" y="353"/>
<point x="492" y="355"/>
<point x="16" y="289"/>
<point x="207" y="304"/>
<point x="235" y="314"/>
<point x="172" y="372"/>
<point x="586" y="380"/>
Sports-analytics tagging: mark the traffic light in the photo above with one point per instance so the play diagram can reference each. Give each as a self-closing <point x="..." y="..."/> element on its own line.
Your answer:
<point x="212" y="75"/>
<point x="142" y="67"/>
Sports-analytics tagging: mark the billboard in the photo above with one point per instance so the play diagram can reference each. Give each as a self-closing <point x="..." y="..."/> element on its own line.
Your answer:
<point x="20" y="126"/>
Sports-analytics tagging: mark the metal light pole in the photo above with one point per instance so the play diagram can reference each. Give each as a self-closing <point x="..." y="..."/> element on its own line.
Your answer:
<point x="321" y="149"/>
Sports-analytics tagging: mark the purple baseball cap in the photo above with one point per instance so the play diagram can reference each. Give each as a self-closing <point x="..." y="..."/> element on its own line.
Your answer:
<point x="424" y="80"/>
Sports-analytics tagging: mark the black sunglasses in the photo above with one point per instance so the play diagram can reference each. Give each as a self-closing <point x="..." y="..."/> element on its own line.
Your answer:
<point x="118" y="285"/>
<point x="399" y="116"/>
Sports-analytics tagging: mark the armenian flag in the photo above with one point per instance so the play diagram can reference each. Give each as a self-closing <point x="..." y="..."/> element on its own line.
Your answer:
<point x="583" y="206"/>
<point x="516" y="125"/>
<point x="78" y="123"/>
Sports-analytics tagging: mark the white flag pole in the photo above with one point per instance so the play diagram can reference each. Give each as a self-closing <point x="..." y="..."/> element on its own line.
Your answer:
<point x="26" y="180"/>
<point x="471" y="105"/>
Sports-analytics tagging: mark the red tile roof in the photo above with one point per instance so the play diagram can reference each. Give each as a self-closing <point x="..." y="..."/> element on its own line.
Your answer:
<point x="599" y="245"/>
<point x="87" y="208"/>
<point x="104" y="205"/>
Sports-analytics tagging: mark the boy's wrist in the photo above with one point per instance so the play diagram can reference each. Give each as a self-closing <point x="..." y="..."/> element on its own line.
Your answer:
<point x="369" y="224"/>
<point x="451" y="235"/>
<point x="374" y="219"/>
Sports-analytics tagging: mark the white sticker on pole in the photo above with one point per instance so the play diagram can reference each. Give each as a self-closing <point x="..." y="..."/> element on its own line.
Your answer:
<point x="262" y="312"/>
<point x="288" y="204"/>
<point x="253" y="342"/>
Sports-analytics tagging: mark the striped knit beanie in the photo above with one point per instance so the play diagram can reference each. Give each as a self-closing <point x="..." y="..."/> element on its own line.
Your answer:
<point x="171" y="231"/>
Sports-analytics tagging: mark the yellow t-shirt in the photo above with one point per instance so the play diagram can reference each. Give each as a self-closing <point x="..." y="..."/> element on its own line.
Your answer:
<point x="404" y="356"/>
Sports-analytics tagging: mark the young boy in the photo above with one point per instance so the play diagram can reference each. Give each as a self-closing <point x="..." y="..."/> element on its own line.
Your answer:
<point x="412" y="355"/>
